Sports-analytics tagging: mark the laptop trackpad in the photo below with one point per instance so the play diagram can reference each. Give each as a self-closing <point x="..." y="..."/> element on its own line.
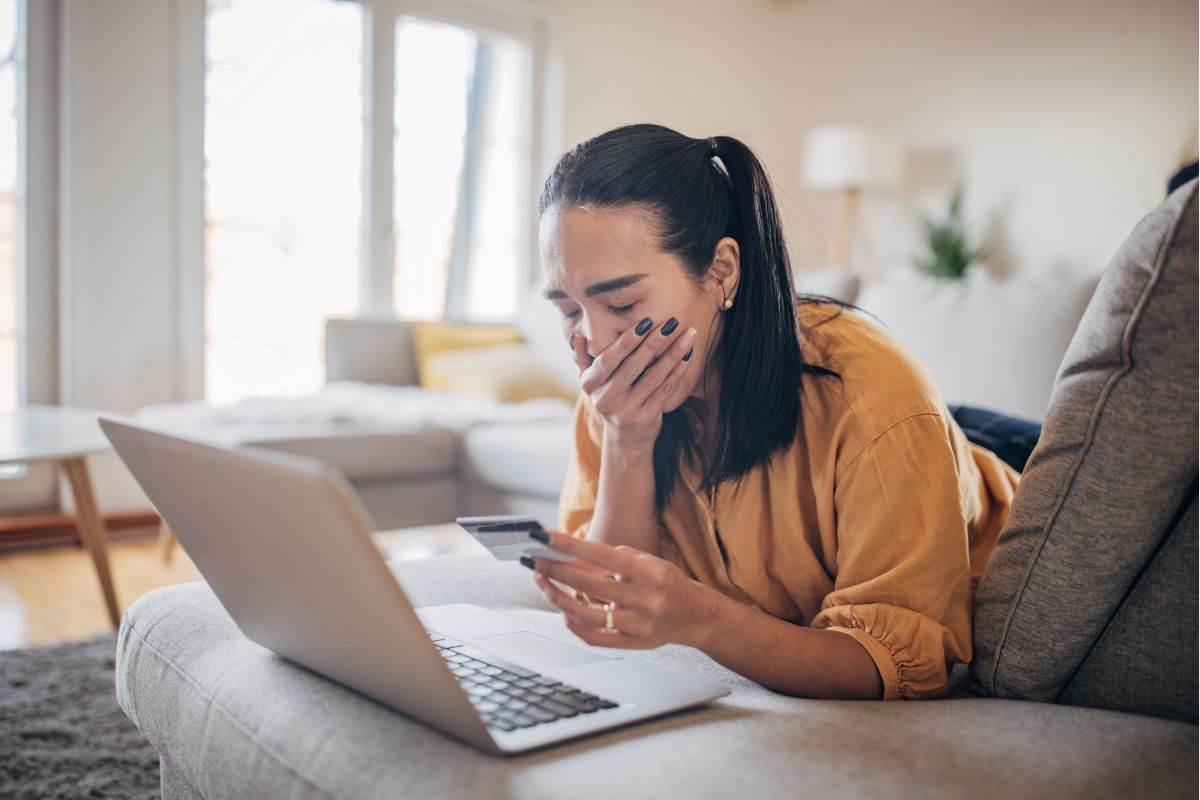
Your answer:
<point x="535" y="649"/>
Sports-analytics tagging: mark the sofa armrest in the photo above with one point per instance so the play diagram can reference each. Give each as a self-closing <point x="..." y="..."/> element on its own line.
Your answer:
<point x="370" y="351"/>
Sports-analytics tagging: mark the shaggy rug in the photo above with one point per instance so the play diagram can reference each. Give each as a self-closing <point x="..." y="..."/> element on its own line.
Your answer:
<point x="62" y="734"/>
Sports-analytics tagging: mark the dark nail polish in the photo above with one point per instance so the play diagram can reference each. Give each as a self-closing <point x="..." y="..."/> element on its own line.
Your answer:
<point x="643" y="326"/>
<point x="526" y="561"/>
<point x="540" y="535"/>
<point x="670" y="327"/>
<point x="688" y="354"/>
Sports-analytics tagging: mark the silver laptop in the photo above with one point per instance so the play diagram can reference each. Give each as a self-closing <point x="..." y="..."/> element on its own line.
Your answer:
<point x="285" y="545"/>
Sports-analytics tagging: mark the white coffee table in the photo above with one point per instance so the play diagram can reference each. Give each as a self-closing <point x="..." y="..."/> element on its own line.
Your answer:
<point x="426" y="541"/>
<point x="66" y="437"/>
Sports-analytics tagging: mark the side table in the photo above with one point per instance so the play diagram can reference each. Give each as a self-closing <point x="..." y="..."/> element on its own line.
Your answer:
<point x="65" y="436"/>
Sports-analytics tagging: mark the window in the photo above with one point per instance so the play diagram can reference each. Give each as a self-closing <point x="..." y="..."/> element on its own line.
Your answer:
<point x="11" y="83"/>
<point x="461" y="140"/>
<point x="283" y="138"/>
<point x="293" y="162"/>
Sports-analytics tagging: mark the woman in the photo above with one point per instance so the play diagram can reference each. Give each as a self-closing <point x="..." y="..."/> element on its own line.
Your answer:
<point x="775" y="483"/>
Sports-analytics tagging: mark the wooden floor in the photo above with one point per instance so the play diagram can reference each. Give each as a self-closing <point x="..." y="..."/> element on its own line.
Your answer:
<point x="50" y="595"/>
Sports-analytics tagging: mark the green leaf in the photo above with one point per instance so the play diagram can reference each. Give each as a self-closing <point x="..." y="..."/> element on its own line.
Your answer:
<point x="950" y="250"/>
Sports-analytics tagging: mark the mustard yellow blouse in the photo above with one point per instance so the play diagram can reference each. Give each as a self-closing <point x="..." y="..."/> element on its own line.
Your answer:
<point x="877" y="522"/>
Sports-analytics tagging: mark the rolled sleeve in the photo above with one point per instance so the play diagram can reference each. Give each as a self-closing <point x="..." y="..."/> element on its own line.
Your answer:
<point x="903" y="584"/>
<point x="885" y="660"/>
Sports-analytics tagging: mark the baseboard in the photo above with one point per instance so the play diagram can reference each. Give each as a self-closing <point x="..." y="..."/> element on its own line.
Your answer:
<point x="18" y="532"/>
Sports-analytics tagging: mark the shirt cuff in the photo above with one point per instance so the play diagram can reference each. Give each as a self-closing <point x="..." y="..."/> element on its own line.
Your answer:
<point x="882" y="657"/>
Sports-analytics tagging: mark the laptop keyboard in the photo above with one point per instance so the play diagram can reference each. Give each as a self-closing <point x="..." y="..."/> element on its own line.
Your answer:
<point x="509" y="697"/>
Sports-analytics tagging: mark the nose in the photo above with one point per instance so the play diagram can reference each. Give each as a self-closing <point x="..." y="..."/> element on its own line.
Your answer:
<point x="597" y="336"/>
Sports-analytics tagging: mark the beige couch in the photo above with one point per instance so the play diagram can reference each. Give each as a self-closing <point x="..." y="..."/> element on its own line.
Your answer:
<point x="980" y="337"/>
<point x="1089" y="604"/>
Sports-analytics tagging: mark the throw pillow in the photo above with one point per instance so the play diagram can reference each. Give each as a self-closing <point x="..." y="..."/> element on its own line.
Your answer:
<point x="988" y="342"/>
<point x="1105" y="491"/>
<point x="840" y="284"/>
<point x="1137" y="665"/>
<point x="431" y="338"/>
<point x="509" y="373"/>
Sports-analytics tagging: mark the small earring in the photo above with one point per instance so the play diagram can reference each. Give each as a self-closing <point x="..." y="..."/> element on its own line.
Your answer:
<point x="728" y="302"/>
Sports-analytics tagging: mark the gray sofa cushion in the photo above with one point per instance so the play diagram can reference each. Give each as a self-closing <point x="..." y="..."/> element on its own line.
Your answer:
<point x="370" y="351"/>
<point x="1115" y="467"/>
<point x="235" y="721"/>
<point x="374" y="456"/>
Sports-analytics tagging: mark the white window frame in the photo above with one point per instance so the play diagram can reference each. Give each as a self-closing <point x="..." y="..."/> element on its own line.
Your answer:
<point x="536" y="28"/>
<point x="38" y="287"/>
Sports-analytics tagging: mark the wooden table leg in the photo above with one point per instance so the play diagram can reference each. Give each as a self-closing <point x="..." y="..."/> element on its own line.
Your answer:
<point x="166" y="543"/>
<point x="91" y="528"/>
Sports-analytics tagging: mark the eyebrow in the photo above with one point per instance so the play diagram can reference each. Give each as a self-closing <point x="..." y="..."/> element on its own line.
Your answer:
<point x="599" y="288"/>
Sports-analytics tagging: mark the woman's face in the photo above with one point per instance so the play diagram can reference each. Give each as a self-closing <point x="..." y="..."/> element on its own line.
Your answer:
<point x="605" y="273"/>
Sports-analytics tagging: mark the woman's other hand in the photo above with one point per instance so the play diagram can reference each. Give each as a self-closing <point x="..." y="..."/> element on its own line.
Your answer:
<point x="630" y="380"/>
<point x="654" y="602"/>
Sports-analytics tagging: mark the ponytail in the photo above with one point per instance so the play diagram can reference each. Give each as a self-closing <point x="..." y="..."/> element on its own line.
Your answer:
<point x="760" y="344"/>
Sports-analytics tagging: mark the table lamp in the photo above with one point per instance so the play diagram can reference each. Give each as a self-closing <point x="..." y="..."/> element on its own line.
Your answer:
<point x="848" y="159"/>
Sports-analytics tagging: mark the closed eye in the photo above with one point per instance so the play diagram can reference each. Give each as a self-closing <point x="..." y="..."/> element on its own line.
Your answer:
<point x="622" y="309"/>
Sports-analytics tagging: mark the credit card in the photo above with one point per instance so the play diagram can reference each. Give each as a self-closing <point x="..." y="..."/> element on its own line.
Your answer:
<point x="507" y="537"/>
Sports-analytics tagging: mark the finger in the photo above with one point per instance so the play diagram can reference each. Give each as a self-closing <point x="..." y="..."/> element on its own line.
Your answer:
<point x="622" y="561"/>
<point x="574" y="609"/>
<point x="586" y="626"/>
<point x="660" y="370"/>
<point x="664" y="389"/>
<point x="533" y="553"/>
<point x="605" y="364"/>
<point x="594" y="584"/>
<point x="579" y="352"/>
<point x="577" y="564"/>
<point x="654" y="345"/>
<point x="598" y="637"/>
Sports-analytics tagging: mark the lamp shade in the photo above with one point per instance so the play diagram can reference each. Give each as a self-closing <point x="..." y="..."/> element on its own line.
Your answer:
<point x="848" y="157"/>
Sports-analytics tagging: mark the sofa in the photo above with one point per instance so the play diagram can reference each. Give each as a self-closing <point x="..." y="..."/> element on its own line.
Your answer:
<point x="231" y="720"/>
<point x="418" y="456"/>
<point x="1083" y="681"/>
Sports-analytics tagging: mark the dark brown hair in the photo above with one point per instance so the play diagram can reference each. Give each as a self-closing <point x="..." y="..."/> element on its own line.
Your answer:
<point x="695" y="203"/>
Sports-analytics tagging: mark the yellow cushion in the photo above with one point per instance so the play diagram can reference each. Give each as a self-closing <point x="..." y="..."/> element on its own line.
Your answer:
<point x="509" y="373"/>
<point x="433" y="338"/>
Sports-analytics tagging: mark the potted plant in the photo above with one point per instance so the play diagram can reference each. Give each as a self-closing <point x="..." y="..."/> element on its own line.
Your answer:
<point x="950" y="251"/>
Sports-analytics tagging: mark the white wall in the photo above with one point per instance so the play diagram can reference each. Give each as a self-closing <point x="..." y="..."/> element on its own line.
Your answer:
<point x="117" y="332"/>
<point x="1064" y="119"/>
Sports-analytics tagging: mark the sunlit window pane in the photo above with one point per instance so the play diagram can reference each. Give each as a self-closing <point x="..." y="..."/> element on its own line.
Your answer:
<point x="461" y="97"/>
<point x="434" y="63"/>
<point x="10" y="201"/>
<point x="501" y="210"/>
<point x="283" y="201"/>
